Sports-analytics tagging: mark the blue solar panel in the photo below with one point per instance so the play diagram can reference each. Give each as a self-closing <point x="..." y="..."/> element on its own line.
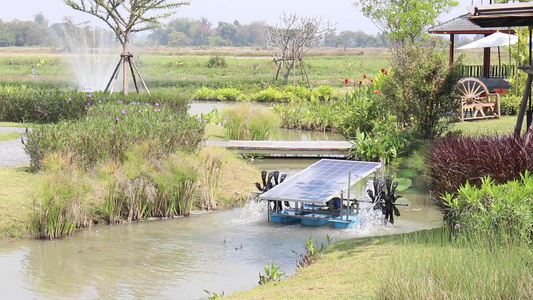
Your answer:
<point x="320" y="181"/>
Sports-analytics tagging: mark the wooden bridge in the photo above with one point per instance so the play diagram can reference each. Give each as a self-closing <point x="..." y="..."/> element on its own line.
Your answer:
<point x="287" y="148"/>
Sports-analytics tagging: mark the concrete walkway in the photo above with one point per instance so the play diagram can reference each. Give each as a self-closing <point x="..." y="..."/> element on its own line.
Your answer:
<point x="287" y="148"/>
<point x="12" y="151"/>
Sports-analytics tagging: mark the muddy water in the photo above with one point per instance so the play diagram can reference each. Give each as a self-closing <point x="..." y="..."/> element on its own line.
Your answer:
<point x="179" y="258"/>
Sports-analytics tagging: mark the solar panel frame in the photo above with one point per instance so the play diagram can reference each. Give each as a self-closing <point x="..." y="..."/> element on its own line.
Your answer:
<point x="319" y="182"/>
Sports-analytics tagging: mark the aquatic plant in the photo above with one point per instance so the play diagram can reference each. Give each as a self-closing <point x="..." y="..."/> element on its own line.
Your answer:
<point x="61" y="206"/>
<point x="312" y="252"/>
<point x="213" y="159"/>
<point x="213" y="295"/>
<point x="272" y="273"/>
<point x="245" y="123"/>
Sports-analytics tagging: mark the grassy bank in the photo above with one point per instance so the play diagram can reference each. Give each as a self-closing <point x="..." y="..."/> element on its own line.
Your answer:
<point x="420" y="265"/>
<point x="16" y="200"/>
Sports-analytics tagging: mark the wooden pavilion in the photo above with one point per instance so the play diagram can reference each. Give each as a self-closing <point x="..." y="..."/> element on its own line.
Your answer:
<point x="493" y="76"/>
<point x="511" y="14"/>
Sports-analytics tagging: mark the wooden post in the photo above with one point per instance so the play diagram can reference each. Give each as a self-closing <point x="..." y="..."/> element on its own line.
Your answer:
<point x="452" y="46"/>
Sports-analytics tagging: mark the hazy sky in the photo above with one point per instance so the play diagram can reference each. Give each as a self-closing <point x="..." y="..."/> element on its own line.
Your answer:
<point x="341" y="12"/>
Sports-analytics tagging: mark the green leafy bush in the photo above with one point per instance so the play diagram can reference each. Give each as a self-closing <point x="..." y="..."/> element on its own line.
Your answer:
<point x="217" y="62"/>
<point x="25" y="104"/>
<point x="270" y="95"/>
<point x="204" y="94"/>
<point x="110" y="128"/>
<point x="385" y="142"/>
<point x="325" y="92"/>
<point x="510" y="105"/>
<point x="493" y="209"/>
<point x="419" y="91"/>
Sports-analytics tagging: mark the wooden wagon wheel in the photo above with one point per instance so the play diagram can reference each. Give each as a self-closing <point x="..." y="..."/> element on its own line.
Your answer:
<point x="471" y="90"/>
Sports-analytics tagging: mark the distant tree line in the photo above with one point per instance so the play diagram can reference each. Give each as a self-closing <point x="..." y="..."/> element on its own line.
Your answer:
<point x="178" y="32"/>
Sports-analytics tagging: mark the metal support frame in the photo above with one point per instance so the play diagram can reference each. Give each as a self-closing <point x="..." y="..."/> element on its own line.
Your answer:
<point x="126" y="58"/>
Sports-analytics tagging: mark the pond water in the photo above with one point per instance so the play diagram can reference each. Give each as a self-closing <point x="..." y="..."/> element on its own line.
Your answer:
<point x="178" y="258"/>
<point x="198" y="107"/>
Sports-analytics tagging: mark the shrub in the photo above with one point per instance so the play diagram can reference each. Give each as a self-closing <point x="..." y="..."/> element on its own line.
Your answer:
<point x="217" y="62"/>
<point x="360" y="111"/>
<point x="245" y="123"/>
<point x="299" y="92"/>
<point x="454" y="160"/>
<point x="24" y="104"/>
<point x="419" y="92"/>
<point x="493" y="209"/>
<point x="385" y="142"/>
<point x="270" y="95"/>
<point x="226" y="94"/>
<point x="510" y="105"/>
<point x="325" y="92"/>
<point x="110" y="128"/>
<point x="204" y="94"/>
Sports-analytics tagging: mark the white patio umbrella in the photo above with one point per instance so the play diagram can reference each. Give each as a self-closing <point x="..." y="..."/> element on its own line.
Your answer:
<point x="496" y="39"/>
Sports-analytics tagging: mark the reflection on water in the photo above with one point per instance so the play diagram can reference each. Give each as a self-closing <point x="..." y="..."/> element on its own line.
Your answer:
<point x="179" y="258"/>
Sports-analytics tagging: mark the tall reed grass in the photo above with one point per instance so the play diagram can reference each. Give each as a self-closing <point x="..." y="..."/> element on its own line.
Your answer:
<point x="64" y="204"/>
<point x="245" y="123"/>
<point x="143" y="185"/>
<point x="431" y="265"/>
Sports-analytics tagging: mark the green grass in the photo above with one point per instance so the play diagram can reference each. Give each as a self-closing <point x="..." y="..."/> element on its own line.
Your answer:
<point x="18" y="187"/>
<point x="420" y="265"/>
<point x="8" y="136"/>
<point x="248" y="69"/>
<point x="502" y="126"/>
<point x="346" y="270"/>
<point x="13" y="124"/>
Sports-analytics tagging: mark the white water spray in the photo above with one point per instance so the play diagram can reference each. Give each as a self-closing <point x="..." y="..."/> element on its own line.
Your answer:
<point x="93" y="55"/>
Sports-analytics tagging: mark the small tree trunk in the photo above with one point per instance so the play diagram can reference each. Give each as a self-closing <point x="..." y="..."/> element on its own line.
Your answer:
<point x="125" y="66"/>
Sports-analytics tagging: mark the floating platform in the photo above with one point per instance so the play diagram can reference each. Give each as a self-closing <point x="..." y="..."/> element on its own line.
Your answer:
<point x="314" y="194"/>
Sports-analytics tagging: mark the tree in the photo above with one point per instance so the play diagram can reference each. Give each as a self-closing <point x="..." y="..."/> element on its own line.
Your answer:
<point x="125" y="17"/>
<point x="7" y="37"/>
<point x="289" y="42"/>
<point x="419" y="92"/>
<point x="403" y="20"/>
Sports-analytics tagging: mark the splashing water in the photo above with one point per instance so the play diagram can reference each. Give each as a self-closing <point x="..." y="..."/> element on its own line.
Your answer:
<point x="254" y="211"/>
<point x="94" y="53"/>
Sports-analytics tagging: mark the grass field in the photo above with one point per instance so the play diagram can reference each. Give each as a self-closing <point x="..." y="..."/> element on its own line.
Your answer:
<point x="502" y="126"/>
<point x="247" y="68"/>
